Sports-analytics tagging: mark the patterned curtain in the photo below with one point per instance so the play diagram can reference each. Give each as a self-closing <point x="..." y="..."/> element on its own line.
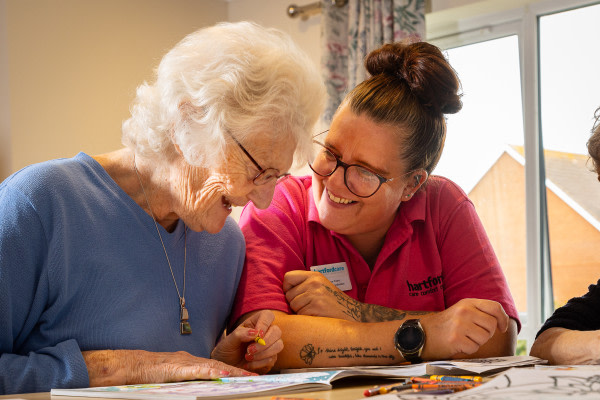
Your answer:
<point x="350" y="32"/>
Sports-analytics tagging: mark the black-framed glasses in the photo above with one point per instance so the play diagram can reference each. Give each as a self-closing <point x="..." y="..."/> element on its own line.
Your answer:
<point x="361" y="181"/>
<point x="264" y="175"/>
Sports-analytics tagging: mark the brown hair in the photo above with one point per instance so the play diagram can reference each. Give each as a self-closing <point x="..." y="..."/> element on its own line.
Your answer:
<point x="593" y="143"/>
<point x="412" y="86"/>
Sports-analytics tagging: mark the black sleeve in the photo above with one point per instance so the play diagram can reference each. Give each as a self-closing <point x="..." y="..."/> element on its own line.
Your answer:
<point x="580" y="313"/>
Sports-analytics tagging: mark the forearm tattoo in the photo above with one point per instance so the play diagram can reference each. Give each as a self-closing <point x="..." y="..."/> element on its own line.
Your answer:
<point x="362" y="312"/>
<point x="308" y="353"/>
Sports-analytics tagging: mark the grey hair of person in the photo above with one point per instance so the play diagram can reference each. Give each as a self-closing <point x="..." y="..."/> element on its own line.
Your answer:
<point x="237" y="79"/>
<point x="593" y="143"/>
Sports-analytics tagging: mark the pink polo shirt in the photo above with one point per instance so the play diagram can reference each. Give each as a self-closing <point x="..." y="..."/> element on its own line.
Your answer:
<point x="435" y="253"/>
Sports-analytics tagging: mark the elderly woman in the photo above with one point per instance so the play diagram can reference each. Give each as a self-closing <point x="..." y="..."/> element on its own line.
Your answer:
<point x="121" y="268"/>
<point x="572" y="333"/>
<point x="396" y="259"/>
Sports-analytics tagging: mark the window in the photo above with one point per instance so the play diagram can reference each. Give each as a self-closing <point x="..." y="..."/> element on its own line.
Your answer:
<point x="517" y="147"/>
<point x="484" y="149"/>
<point x="569" y="95"/>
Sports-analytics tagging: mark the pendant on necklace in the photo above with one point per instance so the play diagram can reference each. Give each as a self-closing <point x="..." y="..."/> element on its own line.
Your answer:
<point x="184" y="327"/>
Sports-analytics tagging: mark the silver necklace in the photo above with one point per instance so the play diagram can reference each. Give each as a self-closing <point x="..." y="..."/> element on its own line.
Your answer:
<point x="184" y="325"/>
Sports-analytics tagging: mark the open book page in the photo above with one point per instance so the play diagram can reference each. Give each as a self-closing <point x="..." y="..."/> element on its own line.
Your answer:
<point x="480" y="366"/>
<point x="474" y="366"/>
<point x="369" y="370"/>
<point x="194" y="390"/>
<point x="225" y="388"/>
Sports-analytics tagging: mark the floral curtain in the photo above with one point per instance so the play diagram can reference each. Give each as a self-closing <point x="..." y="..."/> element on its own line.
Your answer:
<point x="350" y="32"/>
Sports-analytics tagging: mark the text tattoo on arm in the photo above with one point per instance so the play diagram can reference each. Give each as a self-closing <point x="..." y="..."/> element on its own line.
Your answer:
<point x="308" y="353"/>
<point x="362" y="312"/>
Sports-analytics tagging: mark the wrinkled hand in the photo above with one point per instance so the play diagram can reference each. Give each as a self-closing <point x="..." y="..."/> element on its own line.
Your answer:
<point x="129" y="367"/>
<point x="462" y="328"/>
<point x="311" y="293"/>
<point x="240" y="349"/>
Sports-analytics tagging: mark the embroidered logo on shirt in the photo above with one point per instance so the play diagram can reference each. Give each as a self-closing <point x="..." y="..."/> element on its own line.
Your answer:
<point x="425" y="287"/>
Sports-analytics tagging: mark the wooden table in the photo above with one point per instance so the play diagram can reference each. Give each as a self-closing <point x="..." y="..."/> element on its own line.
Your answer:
<point x="345" y="389"/>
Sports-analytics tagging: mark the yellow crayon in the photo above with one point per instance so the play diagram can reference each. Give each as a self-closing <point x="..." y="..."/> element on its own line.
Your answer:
<point x="260" y="340"/>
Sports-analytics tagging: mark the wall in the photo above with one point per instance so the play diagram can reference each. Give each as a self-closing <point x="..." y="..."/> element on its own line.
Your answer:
<point x="306" y="32"/>
<point x="73" y="66"/>
<point x="5" y="147"/>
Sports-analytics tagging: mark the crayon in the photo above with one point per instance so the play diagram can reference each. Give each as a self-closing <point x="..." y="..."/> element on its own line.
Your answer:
<point x="379" y="390"/>
<point x="389" y="389"/>
<point x="371" y="392"/>
<point x="260" y="340"/>
<point x="402" y="383"/>
<point x="456" y="378"/>
<point x="429" y="385"/>
<point x="418" y="379"/>
<point x="455" y="386"/>
<point x="440" y="385"/>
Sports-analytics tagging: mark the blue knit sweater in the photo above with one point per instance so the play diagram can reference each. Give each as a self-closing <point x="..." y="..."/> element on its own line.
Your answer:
<point x="82" y="268"/>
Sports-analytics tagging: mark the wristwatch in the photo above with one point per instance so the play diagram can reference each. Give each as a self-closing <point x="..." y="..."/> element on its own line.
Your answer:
<point x="410" y="340"/>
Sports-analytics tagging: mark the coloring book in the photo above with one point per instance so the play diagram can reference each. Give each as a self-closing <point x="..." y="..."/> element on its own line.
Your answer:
<point x="292" y="381"/>
<point x="228" y="388"/>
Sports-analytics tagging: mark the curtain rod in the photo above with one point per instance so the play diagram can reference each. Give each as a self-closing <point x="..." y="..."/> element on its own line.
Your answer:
<point x="294" y="11"/>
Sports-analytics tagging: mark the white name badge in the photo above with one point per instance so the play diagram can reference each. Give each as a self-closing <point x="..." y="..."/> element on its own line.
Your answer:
<point x="337" y="273"/>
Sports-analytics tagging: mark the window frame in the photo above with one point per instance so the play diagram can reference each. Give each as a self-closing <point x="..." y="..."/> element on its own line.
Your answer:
<point x="469" y="25"/>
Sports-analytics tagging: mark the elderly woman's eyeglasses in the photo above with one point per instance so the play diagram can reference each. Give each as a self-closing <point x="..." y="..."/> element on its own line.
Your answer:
<point x="264" y="175"/>
<point x="358" y="179"/>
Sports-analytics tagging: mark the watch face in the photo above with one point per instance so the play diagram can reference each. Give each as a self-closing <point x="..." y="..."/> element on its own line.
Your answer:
<point x="410" y="338"/>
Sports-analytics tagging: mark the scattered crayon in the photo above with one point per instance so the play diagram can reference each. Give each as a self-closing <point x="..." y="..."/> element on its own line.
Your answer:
<point x="371" y="392"/>
<point x="444" y="385"/>
<point x="386" y="389"/>
<point x="424" y="387"/>
<point x="419" y="379"/>
<point x="456" y="378"/>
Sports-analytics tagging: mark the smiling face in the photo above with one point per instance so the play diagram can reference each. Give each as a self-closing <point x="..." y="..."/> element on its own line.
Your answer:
<point x="358" y="140"/>
<point x="207" y="196"/>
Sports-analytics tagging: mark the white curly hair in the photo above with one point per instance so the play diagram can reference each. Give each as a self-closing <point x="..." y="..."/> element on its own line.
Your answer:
<point x="238" y="78"/>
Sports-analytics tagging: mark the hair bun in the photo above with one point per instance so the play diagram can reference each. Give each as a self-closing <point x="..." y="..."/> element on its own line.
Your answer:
<point x="425" y="70"/>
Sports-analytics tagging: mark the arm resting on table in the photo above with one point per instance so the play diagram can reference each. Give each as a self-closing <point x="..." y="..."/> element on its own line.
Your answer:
<point x="565" y="346"/>
<point x="311" y="341"/>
